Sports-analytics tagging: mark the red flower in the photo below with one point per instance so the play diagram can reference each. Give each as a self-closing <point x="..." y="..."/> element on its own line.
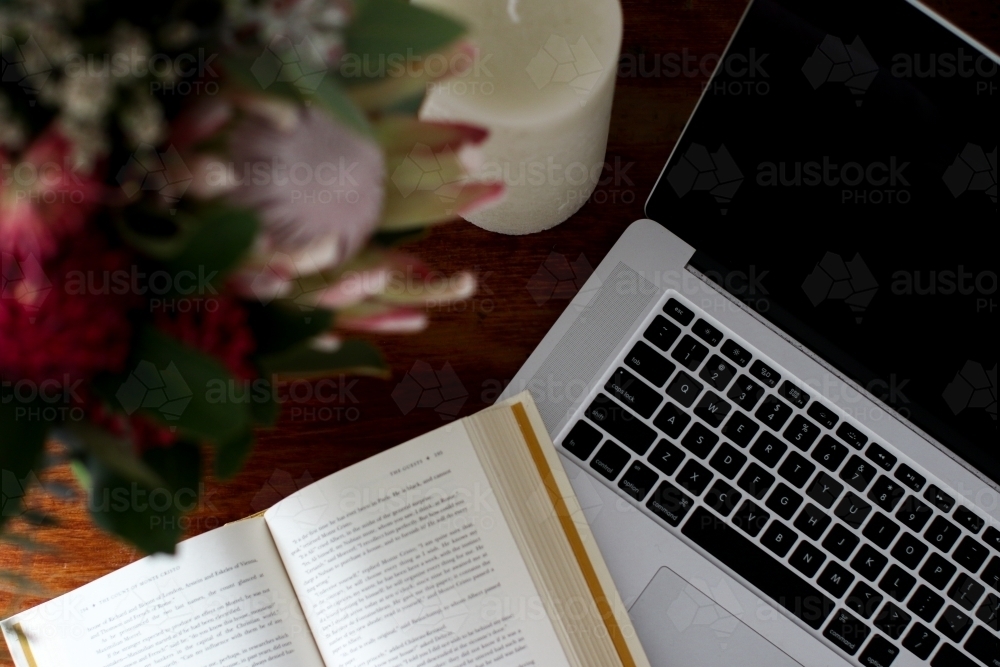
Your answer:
<point x="218" y="327"/>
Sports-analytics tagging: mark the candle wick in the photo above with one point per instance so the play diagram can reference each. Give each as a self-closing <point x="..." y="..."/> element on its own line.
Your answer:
<point x="512" y="11"/>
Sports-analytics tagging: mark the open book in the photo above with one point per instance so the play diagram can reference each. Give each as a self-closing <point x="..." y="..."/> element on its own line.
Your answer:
<point x="462" y="548"/>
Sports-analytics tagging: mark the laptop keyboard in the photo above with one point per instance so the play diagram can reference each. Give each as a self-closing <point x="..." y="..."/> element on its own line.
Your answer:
<point x="730" y="451"/>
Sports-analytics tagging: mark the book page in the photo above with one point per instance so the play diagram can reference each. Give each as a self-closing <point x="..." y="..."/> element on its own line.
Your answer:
<point x="223" y="601"/>
<point x="407" y="560"/>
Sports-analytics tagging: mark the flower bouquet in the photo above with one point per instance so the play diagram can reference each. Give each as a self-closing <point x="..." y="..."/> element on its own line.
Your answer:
<point x="199" y="200"/>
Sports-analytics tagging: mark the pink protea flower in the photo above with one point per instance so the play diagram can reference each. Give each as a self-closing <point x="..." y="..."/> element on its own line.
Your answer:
<point x="44" y="198"/>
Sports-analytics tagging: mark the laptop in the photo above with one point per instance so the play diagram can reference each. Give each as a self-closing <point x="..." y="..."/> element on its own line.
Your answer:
<point x="776" y="396"/>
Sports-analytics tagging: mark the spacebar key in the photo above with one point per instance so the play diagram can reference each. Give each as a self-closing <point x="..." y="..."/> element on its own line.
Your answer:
<point x="758" y="567"/>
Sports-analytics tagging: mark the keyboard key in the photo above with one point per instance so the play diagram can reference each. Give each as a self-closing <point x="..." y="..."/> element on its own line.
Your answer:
<point x="666" y="457"/>
<point x="678" y="311"/>
<point x="759" y="568"/>
<point x="764" y="373"/>
<point x="797" y="397"/>
<point x="869" y="563"/>
<point x="863" y="600"/>
<point x="921" y="641"/>
<point x="689" y="353"/>
<point x="684" y="389"/>
<point x="728" y="461"/>
<point x="897" y="582"/>
<point x="662" y="333"/>
<point x="892" y="620"/>
<point x="937" y="571"/>
<point x="881" y="530"/>
<point x="886" y="493"/>
<point x="880" y="652"/>
<point x="830" y="453"/>
<point x="852" y="436"/>
<point x="735" y="353"/>
<point x="970" y="554"/>
<point x="812" y="521"/>
<point x="991" y="575"/>
<point x="670" y="504"/>
<point x="610" y="460"/>
<point x="910" y="477"/>
<point x="699" y="440"/>
<point x="841" y="542"/>
<point x="984" y="647"/>
<point x="835" y="579"/>
<point x="779" y="538"/>
<point x="718" y="373"/>
<point x="989" y="612"/>
<point x="852" y="510"/>
<point x="807" y="558"/>
<point x="966" y="591"/>
<point x="745" y="392"/>
<point x="638" y="481"/>
<point x="740" y="429"/>
<point x="621" y="424"/>
<point x="650" y="364"/>
<point x="756" y="481"/>
<point x="846" y="632"/>
<point x="939" y="498"/>
<point x="722" y="498"/>
<point x="694" y="477"/>
<point x="880" y="457"/>
<point x="801" y="432"/>
<point x="582" y="440"/>
<point x="671" y="420"/>
<point x="773" y="412"/>
<point x="949" y="656"/>
<point x="909" y="551"/>
<point x="768" y="449"/>
<point x="784" y="502"/>
<point x="825" y="490"/>
<point x="953" y="624"/>
<point x="992" y="537"/>
<point x="824" y="415"/>
<point x="796" y="470"/>
<point x="712" y="409"/>
<point x="971" y="521"/>
<point x="633" y="393"/>
<point x="925" y="603"/>
<point x="707" y="332"/>
<point x="942" y="534"/>
<point x="913" y="514"/>
<point x="858" y="473"/>
<point x="750" y="518"/>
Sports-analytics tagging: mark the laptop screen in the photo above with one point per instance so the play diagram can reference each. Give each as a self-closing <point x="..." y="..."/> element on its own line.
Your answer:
<point x="839" y="177"/>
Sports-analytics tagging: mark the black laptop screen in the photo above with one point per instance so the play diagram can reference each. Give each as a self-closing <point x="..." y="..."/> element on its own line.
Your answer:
<point x="840" y="178"/>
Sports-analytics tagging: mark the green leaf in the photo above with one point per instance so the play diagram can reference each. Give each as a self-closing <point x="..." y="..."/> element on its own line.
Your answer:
<point x="230" y="456"/>
<point x="180" y="467"/>
<point x="22" y="446"/>
<point x="114" y="452"/>
<point x="354" y="357"/>
<point x="221" y="238"/>
<point x="401" y="237"/>
<point x="277" y="326"/>
<point x="265" y="412"/>
<point x="395" y="27"/>
<point x="332" y="97"/>
<point x="156" y="236"/>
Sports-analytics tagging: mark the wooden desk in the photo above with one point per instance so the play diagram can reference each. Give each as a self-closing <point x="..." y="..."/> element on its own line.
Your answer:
<point x="484" y="341"/>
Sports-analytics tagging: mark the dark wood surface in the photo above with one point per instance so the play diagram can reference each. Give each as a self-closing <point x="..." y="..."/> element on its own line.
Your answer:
<point x="485" y="341"/>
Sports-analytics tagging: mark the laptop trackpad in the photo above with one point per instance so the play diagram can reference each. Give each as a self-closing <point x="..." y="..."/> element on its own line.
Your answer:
<point x="679" y="626"/>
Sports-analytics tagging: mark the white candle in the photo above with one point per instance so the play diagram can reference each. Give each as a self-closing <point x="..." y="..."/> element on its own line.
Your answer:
<point x="543" y="86"/>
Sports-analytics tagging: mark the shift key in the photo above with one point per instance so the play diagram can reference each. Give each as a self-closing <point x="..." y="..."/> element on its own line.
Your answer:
<point x="621" y="424"/>
<point x="634" y="393"/>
